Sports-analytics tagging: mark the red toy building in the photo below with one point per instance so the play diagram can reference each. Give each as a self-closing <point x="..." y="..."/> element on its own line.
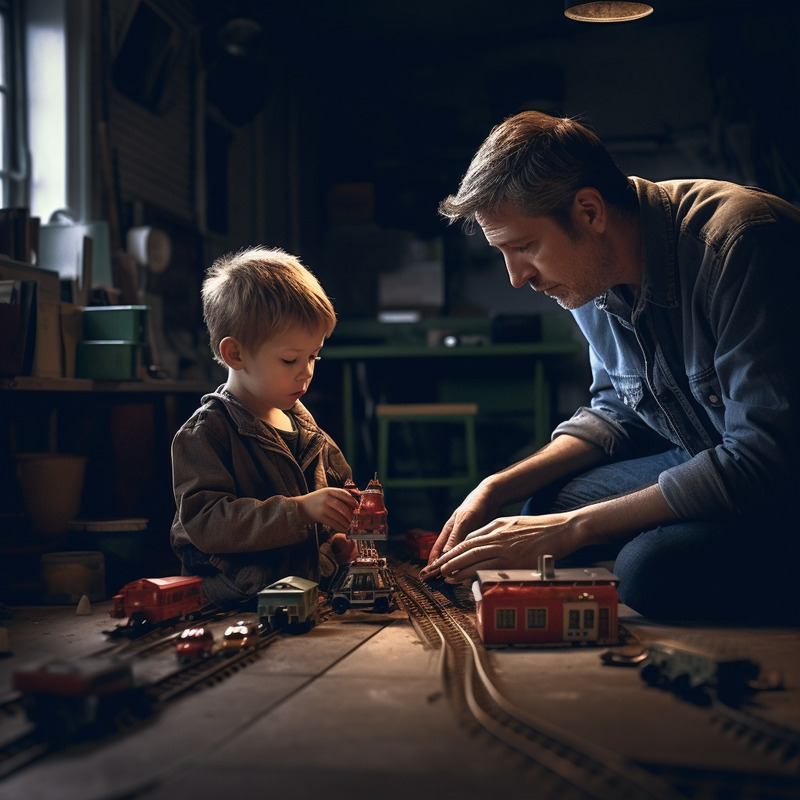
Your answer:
<point x="548" y="606"/>
<point x="369" y="519"/>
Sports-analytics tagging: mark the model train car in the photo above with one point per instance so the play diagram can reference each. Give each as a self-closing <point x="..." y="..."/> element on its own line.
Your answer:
<point x="365" y="584"/>
<point x="695" y="671"/>
<point x="548" y="606"/>
<point x="79" y="694"/>
<point x="149" y="601"/>
<point x="419" y="543"/>
<point x="290" y="604"/>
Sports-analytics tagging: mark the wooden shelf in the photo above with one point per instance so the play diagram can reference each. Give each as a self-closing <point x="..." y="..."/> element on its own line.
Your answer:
<point x="27" y="383"/>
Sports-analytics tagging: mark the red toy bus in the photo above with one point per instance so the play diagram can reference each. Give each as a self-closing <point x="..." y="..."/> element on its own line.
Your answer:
<point x="154" y="600"/>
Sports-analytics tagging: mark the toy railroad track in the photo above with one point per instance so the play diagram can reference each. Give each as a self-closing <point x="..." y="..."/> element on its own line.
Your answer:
<point x="566" y="767"/>
<point x="207" y="672"/>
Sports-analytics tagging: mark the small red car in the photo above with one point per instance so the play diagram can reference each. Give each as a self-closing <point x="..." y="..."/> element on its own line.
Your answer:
<point x="195" y="643"/>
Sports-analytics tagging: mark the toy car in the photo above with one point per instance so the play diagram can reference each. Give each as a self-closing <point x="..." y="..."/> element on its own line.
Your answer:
<point x="194" y="643"/>
<point x="239" y="636"/>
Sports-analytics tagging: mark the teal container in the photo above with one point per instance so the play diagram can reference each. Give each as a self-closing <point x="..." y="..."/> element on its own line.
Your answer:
<point x="121" y="323"/>
<point x="108" y="360"/>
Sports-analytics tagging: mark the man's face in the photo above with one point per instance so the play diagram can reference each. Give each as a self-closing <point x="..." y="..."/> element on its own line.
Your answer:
<point x="572" y="269"/>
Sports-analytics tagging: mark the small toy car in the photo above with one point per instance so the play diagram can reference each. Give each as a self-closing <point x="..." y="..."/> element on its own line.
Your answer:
<point x="238" y="636"/>
<point x="194" y="643"/>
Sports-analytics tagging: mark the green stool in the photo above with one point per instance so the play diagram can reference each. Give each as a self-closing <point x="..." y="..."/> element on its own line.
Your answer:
<point x="435" y="413"/>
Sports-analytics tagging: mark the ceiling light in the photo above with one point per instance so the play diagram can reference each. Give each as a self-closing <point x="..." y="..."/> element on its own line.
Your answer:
<point x="605" y="10"/>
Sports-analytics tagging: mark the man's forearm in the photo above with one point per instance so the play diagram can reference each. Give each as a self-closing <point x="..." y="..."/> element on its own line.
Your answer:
<point x="620" y="518"/>
<point x="565" y="455"/>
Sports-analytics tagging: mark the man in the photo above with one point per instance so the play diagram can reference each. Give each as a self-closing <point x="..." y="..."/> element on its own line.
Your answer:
<point x="682" y="467"/>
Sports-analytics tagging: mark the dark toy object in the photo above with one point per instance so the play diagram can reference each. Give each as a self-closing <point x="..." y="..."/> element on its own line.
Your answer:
<point x="81" y="694"/>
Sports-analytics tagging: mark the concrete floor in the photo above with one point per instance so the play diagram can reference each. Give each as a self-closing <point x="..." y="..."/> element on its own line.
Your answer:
<point x="355" y="709"/>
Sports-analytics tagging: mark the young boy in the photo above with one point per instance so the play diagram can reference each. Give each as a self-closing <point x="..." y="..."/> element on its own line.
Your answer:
<point x="257" y="483"/>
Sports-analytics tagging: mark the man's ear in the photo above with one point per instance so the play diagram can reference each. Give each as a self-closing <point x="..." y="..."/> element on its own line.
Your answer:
<point x="589" y="208"/>
<point x="231" y="352"/>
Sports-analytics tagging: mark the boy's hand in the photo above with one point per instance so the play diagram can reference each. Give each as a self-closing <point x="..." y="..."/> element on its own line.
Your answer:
<point x="345" y="550"/>
<point x="330" y="506"/>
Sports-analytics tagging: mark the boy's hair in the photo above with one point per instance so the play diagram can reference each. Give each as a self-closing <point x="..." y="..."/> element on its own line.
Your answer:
<point x="259" y="292"/>
<point x="538" y="163"/>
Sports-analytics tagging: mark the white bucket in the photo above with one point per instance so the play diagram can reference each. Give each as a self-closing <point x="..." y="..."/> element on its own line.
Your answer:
<point x="52" y="485"/>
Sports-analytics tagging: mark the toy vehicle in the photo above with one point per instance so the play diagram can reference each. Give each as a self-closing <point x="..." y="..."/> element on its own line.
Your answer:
<point x="148" y="601"/>
<point x="80" y="693"/>
<point x="548" y="606"/>
<point x="290" y="604"/>
<point x="694" y="671"/>
<point x="239" y="636"/>
<point x="419" y="543"/>
<point x="194" y="643"/>
<point x="366" y="583"/>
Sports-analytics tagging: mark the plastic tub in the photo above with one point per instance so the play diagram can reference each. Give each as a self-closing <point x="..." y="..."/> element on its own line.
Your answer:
<point x="122" y="543"/>
<point x="52" y="486"/>
<point x="69" y="575"/>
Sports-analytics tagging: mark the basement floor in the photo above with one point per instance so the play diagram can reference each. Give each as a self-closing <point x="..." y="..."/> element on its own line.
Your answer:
<point x="356" y="708"/>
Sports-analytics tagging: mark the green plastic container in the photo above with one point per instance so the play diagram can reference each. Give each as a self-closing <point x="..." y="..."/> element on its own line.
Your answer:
<point x="123" y="323"/>
<point x="108" y="360"/>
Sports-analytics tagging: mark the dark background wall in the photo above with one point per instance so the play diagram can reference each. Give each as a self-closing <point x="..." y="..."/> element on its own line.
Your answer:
<point x="333" y="129"/>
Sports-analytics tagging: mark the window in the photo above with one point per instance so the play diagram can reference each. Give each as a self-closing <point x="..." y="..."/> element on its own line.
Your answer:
<point x="12" y="144"/>
<point x="536" y="618"/>
<point x="505" y="618"/>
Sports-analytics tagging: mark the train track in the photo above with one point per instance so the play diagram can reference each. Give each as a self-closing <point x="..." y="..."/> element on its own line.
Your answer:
<point x="566" y="767"/>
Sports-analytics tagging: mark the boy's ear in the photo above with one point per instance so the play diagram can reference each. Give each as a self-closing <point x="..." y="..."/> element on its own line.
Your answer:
<point x="231" y="352"/>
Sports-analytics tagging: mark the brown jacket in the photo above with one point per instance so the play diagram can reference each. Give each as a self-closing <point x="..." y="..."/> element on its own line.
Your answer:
<point x="235" y="481"/>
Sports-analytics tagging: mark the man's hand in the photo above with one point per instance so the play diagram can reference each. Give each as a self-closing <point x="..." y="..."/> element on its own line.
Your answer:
<point x="474" y="511"/>
<point x="332" y="507"/>
<point x="506" y="543"/>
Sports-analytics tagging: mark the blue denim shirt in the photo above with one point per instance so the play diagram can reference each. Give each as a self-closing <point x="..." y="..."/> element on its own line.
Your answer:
<point x="705" y="356"/>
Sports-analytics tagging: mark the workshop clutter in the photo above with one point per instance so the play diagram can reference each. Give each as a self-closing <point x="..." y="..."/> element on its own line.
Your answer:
<point x="52" y="487"/>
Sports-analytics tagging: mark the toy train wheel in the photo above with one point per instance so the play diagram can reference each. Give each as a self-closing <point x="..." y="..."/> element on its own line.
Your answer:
<point x="651" y="675"/>
<point x="340" y="605"/>
<point x="381" y="605"/>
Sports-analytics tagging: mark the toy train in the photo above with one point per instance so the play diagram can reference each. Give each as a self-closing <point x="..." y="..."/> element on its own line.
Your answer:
<point x="150" y="601"/>
<point x="289" y="604"/>
<point x="548" y="606"/>
<point x="366" y="582"/>
<point x="419" y="543"/>
<point x="80" y="694"/>
<point x="695" y="671"/>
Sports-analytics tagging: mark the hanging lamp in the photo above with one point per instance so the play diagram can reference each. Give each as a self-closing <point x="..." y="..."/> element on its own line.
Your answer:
<point x="605" y="10"/>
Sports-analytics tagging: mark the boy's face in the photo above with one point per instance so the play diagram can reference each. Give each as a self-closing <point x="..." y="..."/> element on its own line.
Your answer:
<point x="277" y="373"/>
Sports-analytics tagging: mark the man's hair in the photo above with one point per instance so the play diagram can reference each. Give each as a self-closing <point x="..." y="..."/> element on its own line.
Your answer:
<point x="259" y="292"/>
<point x="538" y="163"/>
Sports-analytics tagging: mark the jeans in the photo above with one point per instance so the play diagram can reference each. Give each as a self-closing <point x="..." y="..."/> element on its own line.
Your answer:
<point x="743" y="569"/>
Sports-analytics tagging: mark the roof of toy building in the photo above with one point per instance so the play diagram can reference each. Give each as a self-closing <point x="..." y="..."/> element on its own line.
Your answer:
<point x="568" y="575"/>
<point x="290" y="582"/>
